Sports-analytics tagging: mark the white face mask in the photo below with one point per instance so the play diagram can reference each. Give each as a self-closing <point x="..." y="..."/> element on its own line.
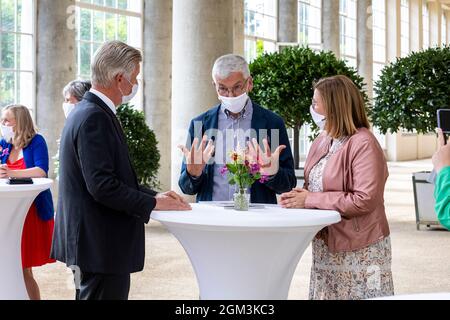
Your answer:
<point x="234" y="104"/>
<point x="134" y="91"/>
<point x="318" y="119"/>
<point x="7" y="133"/>
<point x="68" y="108"/>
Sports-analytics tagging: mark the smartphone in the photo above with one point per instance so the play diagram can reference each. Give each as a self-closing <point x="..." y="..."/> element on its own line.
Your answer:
<point x="18" y="181"/>
<point x="443" y="117"/>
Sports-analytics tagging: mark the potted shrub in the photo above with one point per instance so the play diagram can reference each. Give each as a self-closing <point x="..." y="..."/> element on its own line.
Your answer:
<point x="283" y="83"/>
<point x="407" y="96"/>
<point x="142" y="146"/>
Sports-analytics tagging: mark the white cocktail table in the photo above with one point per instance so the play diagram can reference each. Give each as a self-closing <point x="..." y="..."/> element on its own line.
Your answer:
<point x="245" y="255"/>
<point x="16" y="201"/>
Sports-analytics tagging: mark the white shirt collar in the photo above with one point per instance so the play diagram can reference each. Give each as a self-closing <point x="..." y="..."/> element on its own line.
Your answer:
<point x="105" y="99"/>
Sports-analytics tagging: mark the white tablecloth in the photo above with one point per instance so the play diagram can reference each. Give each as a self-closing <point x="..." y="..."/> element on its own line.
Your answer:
<point x="245" y="255"/>
<point x="16" y="201"/>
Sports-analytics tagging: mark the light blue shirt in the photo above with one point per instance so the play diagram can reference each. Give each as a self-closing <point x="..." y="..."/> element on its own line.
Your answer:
<point x="235" y="133"/>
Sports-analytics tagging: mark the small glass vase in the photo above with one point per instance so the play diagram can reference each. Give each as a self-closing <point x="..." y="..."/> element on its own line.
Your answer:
<point x="241" y="200"/>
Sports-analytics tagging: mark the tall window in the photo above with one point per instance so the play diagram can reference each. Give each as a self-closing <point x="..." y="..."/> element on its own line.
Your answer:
<point x="105" y="20"/>
<point x="17" y="54"/>
<point x="348" y="31"/>
<point x="404" y="27"/>
<point x="426" y="25"/>
<point x="444" y="29"/>
<point x="310" y="17"/>
<point x="379" y="50"/>
<point x="260" y="27"/>
<point x="379" y="37"/>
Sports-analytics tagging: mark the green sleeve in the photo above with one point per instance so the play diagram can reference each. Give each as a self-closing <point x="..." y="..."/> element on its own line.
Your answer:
<point x="442" y="195"/>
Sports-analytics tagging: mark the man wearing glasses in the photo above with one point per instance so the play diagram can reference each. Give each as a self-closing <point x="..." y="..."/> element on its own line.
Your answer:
<point x="236" y="124"/>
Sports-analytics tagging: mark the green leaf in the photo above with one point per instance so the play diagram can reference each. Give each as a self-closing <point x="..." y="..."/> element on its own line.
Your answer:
<point x="142" y="145"/>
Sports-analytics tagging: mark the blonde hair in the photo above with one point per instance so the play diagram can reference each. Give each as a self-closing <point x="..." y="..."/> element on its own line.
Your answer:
<point x="344" y="106"/>
<point x="25" y="130"/>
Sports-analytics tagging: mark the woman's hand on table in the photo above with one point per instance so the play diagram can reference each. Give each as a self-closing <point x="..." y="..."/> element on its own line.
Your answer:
<point x="296" y="199"/>
<point x="5" y="172"/>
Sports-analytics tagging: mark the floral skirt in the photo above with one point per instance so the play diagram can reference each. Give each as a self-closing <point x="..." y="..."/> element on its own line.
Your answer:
<point x="355" y="275"/>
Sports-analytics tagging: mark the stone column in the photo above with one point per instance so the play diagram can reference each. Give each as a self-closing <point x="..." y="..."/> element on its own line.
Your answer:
<point x="435" y="23"/>
<point x="447" y="15"/>
<point x="202" y="32"/>
<point x="239" y="28"/>
<point x="393" y="30"/>
<point x="287" y="21"/>
<point x="55" y="66"/>
<point x="331" y="26"/>
<point x="365" y="43"/>
<point x="288" y="33"/>
<point x="416" y="25"/>
<point x="393" y="50"/>
<point x="157" y="74"/>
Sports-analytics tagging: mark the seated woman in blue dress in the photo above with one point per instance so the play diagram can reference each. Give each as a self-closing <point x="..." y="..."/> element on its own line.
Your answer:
<point x="24" y="154"/>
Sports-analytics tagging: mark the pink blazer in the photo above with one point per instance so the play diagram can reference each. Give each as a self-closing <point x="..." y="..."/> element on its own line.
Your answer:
<point x="353" y="184"/>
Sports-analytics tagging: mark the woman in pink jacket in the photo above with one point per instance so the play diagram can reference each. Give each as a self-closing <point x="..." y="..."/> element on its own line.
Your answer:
<point x="346" y="171"/>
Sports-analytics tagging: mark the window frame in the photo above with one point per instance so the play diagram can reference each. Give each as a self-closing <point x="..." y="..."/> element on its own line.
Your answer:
<point x="307" y="25"/>
<point x="138" y="101"/>
<point x="256" y="38"/>
<point x="18" y="71"/>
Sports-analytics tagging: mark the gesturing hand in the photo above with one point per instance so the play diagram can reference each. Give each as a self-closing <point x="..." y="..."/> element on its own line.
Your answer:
<point x="198" y="156"/>
<point x="269" y="162"/>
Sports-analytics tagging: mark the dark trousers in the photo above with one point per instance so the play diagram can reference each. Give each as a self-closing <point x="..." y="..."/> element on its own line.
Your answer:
<point x="95" y="286"/>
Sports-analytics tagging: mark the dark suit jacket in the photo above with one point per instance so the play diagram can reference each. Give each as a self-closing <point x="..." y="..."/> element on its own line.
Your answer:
<point x="262" y="118"/>
<point x="102" y="210"/>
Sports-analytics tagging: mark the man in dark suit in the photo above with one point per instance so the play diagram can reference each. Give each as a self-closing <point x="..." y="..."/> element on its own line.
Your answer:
<point x="236" y="123"/>
<point x="102" y="211"/>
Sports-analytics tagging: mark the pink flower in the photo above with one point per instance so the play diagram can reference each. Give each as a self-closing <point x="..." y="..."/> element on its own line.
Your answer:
<point x="264" y="179"/>
<point x="254" y="168"/>
<point x="224" y="170"/>
<point x="5" y="152"/>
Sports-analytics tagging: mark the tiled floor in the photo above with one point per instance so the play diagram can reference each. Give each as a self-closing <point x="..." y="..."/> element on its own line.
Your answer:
<point x="421" y="259"/>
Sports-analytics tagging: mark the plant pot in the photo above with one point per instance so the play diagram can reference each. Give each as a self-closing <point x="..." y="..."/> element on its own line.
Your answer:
<point x="424" y="200"/>
<point x="242" y="201"/>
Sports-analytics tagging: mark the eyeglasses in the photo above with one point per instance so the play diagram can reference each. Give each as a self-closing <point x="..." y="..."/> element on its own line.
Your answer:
<point x="235" y="91"/>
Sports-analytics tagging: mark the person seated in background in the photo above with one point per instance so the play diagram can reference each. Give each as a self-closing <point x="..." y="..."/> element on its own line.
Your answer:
<point x="25" y="155"/>
<point x="233" y="120"/>
<point x="73" y="93"/>
<point x="441" y="162"/>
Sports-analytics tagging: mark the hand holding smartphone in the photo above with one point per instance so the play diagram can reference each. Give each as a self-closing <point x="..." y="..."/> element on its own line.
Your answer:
<point x="443" y="117"/>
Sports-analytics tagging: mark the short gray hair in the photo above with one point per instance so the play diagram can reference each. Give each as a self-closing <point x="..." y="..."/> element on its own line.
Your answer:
<point x="77" y="89"/>
<point x="114" y="58"/>
<point x="226" y="65"/>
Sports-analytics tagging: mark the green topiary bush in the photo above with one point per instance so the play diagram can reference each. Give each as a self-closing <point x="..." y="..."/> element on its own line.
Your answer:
<point x="142" y="145"/>
<point x="283" y="83"/>
<point x="411" y="90"/>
